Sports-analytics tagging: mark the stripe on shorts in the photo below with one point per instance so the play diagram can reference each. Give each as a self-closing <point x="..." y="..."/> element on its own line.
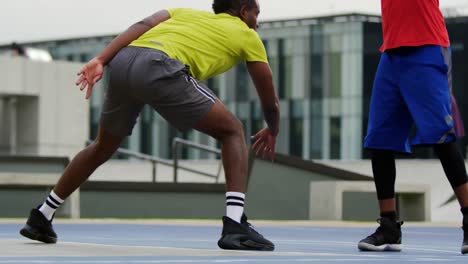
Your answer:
<point x="202" y="90"/>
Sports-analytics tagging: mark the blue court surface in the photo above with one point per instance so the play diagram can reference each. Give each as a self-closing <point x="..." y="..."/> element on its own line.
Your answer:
<point x="169" y="241"/>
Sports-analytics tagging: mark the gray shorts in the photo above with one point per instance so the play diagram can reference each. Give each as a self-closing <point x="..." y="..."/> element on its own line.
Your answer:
<point x="139" y="76"/>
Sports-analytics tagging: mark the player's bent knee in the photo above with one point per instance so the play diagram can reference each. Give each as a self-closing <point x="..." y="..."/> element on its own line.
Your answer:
<point x="231" y="129"/>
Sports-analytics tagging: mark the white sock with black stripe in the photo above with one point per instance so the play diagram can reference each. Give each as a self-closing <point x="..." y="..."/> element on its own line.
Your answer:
<point x="235" y="205"/>
<point x="50" y="205"/>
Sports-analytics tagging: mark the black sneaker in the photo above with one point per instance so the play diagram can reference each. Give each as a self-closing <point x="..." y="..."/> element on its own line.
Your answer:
<point x="39" y="228"/>
<point x="242" y="236"/>
<point x="464" y="247"/>
<point x="387" y="237"/>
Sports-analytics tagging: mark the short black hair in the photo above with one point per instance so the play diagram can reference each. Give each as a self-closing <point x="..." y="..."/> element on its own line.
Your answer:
<point x="223" y="6"/>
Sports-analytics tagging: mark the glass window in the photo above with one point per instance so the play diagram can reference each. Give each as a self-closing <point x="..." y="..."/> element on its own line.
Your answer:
<point x="213" y="85"/>
<point x="296" y="127"/>
<point x="84" y="57"/>
<point x="188" y="152"/>
<point x="274" y="61"/>
<point x="335" y="137"/>
<point x="172" y="133"/>
<point x="316" y="129"/>
<point x="257" y="122"/>
<point x="316" y="73"/>
<point x="284" y="69"/>
<point x="243" y="114"/>
<point x="316" y="64"/>
<point x="242" y="83"/>
<point x="335" y="74"/>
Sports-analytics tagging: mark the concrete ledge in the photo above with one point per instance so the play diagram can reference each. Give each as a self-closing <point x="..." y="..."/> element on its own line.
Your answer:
<point x="315" y="167"/>
<point x="288" y="178"/>
<point x="28" y="179"/>
<point x="106" y="186"/>
<point x="328" y="198"/>
<point x="37" y="173"/>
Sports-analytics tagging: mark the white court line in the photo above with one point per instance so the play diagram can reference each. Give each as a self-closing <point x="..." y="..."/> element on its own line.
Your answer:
<point x="334" y="243"/>
<point x="254" y="253"/>
<point x="431" y="260"/>
<point x="178" y="250"/>
<point x="431" y="250"/>
<point x="245" y="252"/>
<point x="230" y="260"/>
<point x="243" y="257"/>
<point x="322" y="243"/>
<point x="428" y="233"/>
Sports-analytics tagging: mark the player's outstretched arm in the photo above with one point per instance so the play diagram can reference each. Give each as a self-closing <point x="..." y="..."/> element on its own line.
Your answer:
<point x="265" y="139"/>
<point x="132" y="33"/>
<point x="93" y="70"/>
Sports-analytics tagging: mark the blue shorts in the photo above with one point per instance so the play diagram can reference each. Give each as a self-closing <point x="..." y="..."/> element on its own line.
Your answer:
<point x="410" y="102"/>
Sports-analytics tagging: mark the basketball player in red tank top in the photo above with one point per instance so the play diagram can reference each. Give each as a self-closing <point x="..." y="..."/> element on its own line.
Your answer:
<point x="411" y="89"/>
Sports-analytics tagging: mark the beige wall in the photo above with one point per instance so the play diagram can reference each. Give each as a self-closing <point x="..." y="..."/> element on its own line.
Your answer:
<point x="52" y="116"/>
<point x="414" y="171"/>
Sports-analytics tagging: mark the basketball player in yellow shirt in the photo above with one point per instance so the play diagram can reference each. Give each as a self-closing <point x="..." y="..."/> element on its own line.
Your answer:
<point x="161" y="61"/>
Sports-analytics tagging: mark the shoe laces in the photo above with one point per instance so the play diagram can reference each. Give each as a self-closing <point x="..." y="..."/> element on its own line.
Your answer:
<point x="380" y="231"/>
<point x="251" y="227"/>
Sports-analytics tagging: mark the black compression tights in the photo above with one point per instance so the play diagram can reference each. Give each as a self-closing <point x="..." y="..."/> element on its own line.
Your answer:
<point x="383" y="167"/>
<point x="452" y="162"/>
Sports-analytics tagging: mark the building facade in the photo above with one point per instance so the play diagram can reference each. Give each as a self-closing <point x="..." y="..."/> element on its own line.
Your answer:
<point x="38" y="114"/>
<point x="323" y="71"/>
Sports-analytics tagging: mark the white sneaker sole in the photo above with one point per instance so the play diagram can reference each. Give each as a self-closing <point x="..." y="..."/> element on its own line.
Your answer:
<point x="385" y="247"/>
<point x="464" y="249"/>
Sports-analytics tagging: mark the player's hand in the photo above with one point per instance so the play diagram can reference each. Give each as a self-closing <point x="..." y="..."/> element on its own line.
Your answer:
<point x="264" y="144"/>
<point x="89" y="75"/>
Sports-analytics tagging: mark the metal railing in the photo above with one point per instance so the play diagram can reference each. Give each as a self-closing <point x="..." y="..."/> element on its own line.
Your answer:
<point x="176" y="144"/>
<point x="175" y="153"/>
<point x="154" y="160"/>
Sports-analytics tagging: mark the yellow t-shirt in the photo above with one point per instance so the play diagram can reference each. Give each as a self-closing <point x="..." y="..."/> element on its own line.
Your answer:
<point x="208" y="43"/>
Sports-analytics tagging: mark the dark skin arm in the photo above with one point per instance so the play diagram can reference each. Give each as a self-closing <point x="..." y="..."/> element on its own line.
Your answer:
<point x="93" y="70"/>
<point x="265" y="139"/>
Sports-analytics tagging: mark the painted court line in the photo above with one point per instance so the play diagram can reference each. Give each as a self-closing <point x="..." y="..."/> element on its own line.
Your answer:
<point x="250" y="260"/>
<point x="20" y="248"/>
<point x="184" y="244"/>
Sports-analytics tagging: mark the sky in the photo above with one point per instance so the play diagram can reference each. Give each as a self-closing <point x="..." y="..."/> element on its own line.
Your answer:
<point x="38" y="20"/>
